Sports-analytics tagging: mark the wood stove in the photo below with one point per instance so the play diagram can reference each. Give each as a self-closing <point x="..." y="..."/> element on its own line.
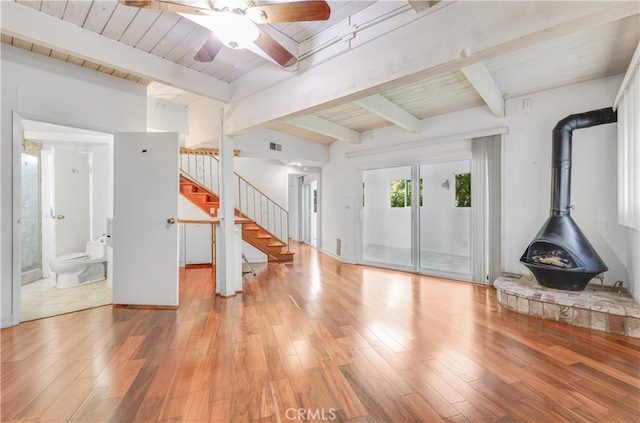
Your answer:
<point x="560" y="256"/>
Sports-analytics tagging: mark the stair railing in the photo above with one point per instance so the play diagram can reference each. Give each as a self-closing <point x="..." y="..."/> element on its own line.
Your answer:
<point x="203" y="167"/>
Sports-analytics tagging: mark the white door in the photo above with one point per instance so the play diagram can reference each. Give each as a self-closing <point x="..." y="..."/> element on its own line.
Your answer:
<point x="306" y="213"/>
<point x="144" y="233"/>
<point x="71" y="201"/>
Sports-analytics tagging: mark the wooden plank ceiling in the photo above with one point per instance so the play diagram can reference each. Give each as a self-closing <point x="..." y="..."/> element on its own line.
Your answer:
<point x="592" y="53"/>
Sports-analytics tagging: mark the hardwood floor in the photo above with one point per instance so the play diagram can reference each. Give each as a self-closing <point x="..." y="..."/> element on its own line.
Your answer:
<point x="318" y="340"/>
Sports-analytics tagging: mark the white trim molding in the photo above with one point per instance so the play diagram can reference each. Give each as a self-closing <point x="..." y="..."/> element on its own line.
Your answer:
<point x="500" y="130"/>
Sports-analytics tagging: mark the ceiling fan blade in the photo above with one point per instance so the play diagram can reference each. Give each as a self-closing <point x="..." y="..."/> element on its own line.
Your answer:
<point x="298" y="11"/>
<point x="209" y="49"/>
<point x="272" y="48"/>
<point x="167" y="6"/>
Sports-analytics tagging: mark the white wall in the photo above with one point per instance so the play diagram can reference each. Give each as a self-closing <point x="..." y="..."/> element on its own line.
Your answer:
<point x="293" y="149"/>
<point x="42" y="88"/>
<point x="102" y="201"/>
<point x="293" y="207"/>
<point x="526" y="173"/>
<point x="167" y="117"/>
<point x="269" y="177"/>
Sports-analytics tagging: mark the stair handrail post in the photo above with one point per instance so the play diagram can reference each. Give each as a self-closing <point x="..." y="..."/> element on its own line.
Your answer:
<point x="246" y="194"/>
<point x="254" y="205"/>
<point x="239" y="194"/>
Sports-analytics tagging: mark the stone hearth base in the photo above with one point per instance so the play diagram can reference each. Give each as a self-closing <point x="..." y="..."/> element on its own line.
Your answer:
<point x="597" y="307"/>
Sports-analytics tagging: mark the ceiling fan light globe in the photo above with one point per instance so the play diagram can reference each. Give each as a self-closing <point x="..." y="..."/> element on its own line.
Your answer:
<point x="234" y="30"/>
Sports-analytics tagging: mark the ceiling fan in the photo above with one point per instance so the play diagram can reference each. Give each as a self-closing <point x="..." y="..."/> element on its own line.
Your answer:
<point x="236" y="23"/>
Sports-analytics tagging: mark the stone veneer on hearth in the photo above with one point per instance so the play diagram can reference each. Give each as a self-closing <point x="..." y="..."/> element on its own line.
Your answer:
<point x="597" y="307"/>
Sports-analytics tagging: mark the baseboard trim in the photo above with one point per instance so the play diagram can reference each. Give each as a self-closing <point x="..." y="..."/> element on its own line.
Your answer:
<point x="337" y="257"/>
<point x="146" y="307"/>
<point x="229" y="296"/>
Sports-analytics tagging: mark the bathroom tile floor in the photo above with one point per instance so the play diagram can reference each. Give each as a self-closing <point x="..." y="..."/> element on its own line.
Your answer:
<point x="42" y="298"/>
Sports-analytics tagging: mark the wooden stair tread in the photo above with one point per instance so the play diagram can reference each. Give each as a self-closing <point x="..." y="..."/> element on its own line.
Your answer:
<point x="252" y="233"/>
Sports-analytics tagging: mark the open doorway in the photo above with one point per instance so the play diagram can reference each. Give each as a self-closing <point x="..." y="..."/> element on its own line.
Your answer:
<point x="310" y="210"/>
<point x="66" y="199"/>
<point x="303" y="202"/>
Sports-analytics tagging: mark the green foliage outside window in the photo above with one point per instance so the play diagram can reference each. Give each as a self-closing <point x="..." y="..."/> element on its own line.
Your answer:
<point x="463" y="190"/>
<point x="398" y="193"/>
<point x="402" y="191"/>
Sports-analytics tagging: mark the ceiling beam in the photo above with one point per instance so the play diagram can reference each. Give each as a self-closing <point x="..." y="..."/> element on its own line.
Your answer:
<point x="410" y="53"/>
<point x="482" y="81"/>
<point x="328" y="128"/>
<point x="390" y="111"/>
<point x="422" y="5"/>
<point x="39" y="28"/>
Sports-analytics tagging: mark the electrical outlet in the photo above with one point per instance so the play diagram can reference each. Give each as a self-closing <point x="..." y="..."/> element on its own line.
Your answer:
<point x="526" y="104"/>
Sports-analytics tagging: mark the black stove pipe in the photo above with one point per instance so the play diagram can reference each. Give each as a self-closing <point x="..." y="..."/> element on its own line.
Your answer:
<point x="561" y="154"/>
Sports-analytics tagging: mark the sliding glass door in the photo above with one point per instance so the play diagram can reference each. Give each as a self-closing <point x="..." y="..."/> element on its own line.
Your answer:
<point x="445" y="218"/>
<point x="438" y="214"/>
<point x="418" y="217"/>
<point x="387" y="224"/>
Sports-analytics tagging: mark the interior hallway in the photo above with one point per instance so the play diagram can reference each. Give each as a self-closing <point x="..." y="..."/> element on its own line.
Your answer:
<point x="322" y="338"/>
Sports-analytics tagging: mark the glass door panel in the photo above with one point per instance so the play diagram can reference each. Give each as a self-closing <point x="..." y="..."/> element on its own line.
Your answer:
<point x="30" y="228"/>
<point x="445" y="218"/>
<point x="386" y="216"/>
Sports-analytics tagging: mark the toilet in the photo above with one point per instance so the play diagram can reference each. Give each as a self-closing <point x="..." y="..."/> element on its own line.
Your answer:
<point x="77" y="269"/>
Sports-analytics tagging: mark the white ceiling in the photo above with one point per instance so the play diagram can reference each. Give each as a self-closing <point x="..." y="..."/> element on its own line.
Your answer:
<point x="372" y="64"/>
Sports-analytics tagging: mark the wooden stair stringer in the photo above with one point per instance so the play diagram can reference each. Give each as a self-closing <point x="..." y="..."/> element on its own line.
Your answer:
<point x="252" y="233"/>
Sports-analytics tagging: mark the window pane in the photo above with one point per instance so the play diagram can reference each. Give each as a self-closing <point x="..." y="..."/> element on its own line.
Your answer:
<point x="386" y="221"/>
<point x="445" y="228"/>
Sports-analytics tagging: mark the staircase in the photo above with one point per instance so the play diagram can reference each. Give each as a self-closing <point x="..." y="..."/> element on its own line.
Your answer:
<point x="253" y="233"/>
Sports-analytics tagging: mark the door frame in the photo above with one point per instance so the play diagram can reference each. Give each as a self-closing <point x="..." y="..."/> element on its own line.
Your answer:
<point x="17" y="131"/>
<point x="16" y="259"/>
<point x="360" y="226"/>
<point x="16" y="262"/>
